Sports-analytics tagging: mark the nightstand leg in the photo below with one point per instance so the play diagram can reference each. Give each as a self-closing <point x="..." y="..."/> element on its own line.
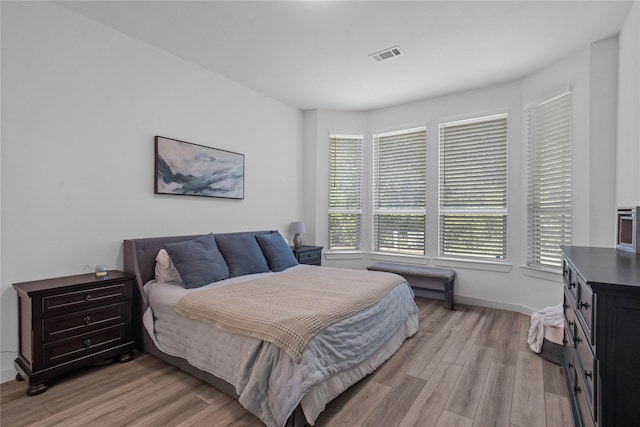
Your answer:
<point x="19" y="377"/>
<point x="37" y="389"/>
<point x="127" y="357"/>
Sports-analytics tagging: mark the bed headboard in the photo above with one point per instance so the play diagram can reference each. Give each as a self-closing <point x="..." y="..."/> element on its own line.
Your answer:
<point x="140" y="260"/>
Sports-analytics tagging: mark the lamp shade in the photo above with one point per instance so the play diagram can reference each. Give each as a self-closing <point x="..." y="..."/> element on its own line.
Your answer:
<point x="296" y="227"/>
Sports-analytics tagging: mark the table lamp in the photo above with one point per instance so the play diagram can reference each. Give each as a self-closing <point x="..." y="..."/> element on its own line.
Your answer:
<point x="297" y="228"/>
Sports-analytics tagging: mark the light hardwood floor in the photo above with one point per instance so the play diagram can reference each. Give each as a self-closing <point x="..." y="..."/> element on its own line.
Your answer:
<point x="468" y="367"/>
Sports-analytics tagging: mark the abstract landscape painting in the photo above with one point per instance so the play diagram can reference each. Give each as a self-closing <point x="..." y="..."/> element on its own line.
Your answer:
<point x="190" y="169"/>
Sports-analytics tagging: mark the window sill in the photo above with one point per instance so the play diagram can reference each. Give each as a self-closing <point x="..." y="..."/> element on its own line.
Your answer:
<point x="501" y="267"/>
<point x="407" y="259"/>
<point x="542" y="273"/>
<point x="344" y="255"/>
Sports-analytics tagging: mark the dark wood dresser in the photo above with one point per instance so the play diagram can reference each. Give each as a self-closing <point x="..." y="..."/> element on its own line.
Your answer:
<point x="69" y="322"/>
<point x="602" y="335"/>
<point x="311" y="255"/>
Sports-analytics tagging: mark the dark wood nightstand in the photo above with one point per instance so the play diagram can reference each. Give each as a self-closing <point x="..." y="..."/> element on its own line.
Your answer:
<point x="69" y="322"/>
<point x="311" y="255"/>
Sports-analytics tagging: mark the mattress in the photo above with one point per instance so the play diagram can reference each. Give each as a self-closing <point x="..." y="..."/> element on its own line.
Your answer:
<point x="268" y="382"/>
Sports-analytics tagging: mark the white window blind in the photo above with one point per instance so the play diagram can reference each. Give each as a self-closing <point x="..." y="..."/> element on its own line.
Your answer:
<point x="473" y="188"/>
<point x="549" y="181"/>
<point x="345" y="192"/>
<point x="399" y="191"/>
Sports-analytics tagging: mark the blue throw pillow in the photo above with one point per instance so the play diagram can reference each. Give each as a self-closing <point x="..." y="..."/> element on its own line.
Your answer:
<point x="198" y="261"/>
<point x="242" y="253"/>
<point x="277" y="251"/>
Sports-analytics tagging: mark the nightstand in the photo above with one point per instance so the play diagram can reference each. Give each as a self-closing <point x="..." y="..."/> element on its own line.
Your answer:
<point x="311" y="255"/>
<point x="69" y="322"/>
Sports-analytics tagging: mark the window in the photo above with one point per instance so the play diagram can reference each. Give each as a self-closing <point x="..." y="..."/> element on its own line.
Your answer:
<point x="345" y="192"/>
<point x="399" y="191"/>
<point x="473" y="188"/>
<point x="549" y="181"/>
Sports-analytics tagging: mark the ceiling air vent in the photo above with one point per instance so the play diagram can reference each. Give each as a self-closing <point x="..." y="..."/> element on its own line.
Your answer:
<point x="383" y="55"/>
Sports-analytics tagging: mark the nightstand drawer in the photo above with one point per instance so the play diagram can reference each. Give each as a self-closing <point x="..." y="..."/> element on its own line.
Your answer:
<point x="308" y="257"/>
<point x="82" y="345"/>
<point x="84" y="297"/>
<point x="60" y="327"/>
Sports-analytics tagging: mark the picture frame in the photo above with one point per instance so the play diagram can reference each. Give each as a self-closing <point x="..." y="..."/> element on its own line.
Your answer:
<point x="188" y="169"/>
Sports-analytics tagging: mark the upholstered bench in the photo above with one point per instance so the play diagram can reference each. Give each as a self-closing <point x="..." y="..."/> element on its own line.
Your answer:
<point x="446" y="276"/>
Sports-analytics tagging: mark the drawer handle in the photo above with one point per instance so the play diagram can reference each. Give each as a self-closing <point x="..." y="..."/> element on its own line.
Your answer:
<point x="572" y="285"/>
<point x="577" y="340"/>
<point x="588" y="374"/>
<point x="583" y="305"/>
<point x="571" y="323"/>
<point x="577" y="389"/>
<point x="88" y="297"/>
<point x="87" y="320"/>
<point x="570" y="365"/>
<point x="87" y="342"/>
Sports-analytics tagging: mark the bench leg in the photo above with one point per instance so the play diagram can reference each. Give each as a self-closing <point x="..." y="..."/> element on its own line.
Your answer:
<point x="448" y="294"/>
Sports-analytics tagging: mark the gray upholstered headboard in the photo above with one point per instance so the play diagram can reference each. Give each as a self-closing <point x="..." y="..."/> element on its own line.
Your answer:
<point x="140" y="260"/>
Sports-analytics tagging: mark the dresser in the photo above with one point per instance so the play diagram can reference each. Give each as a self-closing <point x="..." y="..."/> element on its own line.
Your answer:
<point x="602" y="335"/>
<point x="311" y="255"/>
<point x="69" y="322"/>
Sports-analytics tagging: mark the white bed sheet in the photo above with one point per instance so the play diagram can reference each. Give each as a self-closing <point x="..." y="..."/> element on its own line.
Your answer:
<point x="269" y="383"/>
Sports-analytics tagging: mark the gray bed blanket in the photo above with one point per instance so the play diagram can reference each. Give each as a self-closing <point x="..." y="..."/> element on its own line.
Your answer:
<point x="270" y="384"/>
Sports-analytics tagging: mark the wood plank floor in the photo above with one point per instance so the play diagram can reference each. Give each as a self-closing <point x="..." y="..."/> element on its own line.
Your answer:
<point x="468" y="367"/>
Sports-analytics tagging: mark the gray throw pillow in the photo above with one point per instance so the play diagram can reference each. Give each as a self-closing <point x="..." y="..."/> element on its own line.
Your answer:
<point x="198" y="261"/>
<point x="242" y="253"/>
<point x="277" y="251"/>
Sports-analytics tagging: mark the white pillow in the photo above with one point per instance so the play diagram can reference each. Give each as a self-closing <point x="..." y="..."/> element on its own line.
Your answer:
<point x="165" y="270"/>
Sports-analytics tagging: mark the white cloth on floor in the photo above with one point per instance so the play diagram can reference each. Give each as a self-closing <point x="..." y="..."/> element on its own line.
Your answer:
<point x="548" y="323"/>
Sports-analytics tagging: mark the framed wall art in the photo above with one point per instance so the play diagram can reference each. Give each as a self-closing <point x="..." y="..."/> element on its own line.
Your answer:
<point x="190" y="169"/>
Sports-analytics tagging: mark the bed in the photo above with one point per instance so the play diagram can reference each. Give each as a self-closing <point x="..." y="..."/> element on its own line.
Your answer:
<point x="283" y="378"/>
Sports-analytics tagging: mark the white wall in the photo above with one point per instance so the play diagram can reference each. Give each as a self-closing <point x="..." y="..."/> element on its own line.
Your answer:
<point x="628" y="155"/>
<point x="510" y="285"/>
<point x="81" y="104"/>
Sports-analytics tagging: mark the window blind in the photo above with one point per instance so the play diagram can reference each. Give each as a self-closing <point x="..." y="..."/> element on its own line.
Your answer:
<point x="473" y="188"/>
<point x="399" y="191"/>
<point x="345" y="192"/>
<point x="549" y="181"/>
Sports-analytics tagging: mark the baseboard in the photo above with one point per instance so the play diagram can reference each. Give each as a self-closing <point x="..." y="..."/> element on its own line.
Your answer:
<point x="7" y="375"/>
<point x="461" y="299"/>
<point x="480" y="302"/>
<point x="428" y="294"/>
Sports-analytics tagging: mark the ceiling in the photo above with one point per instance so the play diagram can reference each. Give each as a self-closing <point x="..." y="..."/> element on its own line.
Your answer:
<point x="315" y="54"/>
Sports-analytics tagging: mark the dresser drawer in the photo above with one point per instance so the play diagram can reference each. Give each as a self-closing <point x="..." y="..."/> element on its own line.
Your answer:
<point x="570" y="355"/>
<point x="585" y="308"/>
<point x="60" y="327"/>
<point x="566" y="271"/>
<point x="587" y="365"/>
<point x="82" y="345"/>
<point x="77" y="299"/>
<point x="584" y="407"/>
<point x="569" y="316"/>
<point x="571" y="281"/>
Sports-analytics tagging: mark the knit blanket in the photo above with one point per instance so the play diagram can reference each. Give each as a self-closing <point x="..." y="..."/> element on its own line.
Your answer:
<point x="288" y="308"/>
